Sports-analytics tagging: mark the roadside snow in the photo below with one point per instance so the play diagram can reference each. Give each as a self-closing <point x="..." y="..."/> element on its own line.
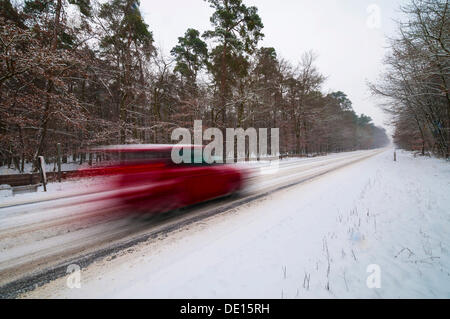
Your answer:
<point x="49" y="167"/>
<point x="55" y="190"/>
<point x="318" y="239"/>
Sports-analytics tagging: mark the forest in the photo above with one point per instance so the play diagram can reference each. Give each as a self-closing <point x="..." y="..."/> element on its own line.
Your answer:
<point x="84" y="73"/>
<point x="415" y="87"/>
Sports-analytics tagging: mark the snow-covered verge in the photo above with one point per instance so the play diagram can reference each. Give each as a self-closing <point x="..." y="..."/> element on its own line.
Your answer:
<point x="49" y="167"/>
<point x="318" y="239"/>
<point x="55" y="190"/>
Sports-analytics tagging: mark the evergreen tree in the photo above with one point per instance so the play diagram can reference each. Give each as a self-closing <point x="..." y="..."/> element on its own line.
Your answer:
<point x="237" y="31"/>
<point x="127" y="44"/>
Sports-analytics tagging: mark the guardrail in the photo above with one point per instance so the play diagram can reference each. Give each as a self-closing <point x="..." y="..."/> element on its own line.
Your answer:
<point x="32" y="179"/>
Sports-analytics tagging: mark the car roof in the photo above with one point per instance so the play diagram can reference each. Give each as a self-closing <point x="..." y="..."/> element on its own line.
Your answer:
<point x="142" y="147"/>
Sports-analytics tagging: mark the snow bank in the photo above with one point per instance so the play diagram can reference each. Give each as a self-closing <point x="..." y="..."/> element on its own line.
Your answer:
<point x="55" y="190"/>
<point x="5" y="191"/>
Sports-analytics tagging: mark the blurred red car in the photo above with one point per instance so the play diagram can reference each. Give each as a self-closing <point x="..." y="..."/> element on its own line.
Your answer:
<point x="148" y="180"/>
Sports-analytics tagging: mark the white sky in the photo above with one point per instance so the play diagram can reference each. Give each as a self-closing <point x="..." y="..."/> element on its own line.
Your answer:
<point x="344" y="33"/>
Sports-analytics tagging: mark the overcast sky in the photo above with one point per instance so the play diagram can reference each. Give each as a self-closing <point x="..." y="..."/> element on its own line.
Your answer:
<point x="347" y="35"/>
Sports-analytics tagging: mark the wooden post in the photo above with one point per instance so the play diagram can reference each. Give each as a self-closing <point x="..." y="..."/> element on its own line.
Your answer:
<point x="58" y="147"/>
<point x="395" y="156"/>
<point x="42" y="171"/>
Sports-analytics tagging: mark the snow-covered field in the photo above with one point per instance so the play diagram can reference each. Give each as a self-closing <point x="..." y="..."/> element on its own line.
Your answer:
<point x="374" y="223"/>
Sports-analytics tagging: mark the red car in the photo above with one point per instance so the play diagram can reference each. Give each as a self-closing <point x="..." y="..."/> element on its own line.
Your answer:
<point x="148" y="180"/>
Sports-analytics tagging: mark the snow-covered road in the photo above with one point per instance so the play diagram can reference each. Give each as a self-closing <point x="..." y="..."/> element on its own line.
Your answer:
<point x="315" y="239"/>
<point x="41" y="233"/>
